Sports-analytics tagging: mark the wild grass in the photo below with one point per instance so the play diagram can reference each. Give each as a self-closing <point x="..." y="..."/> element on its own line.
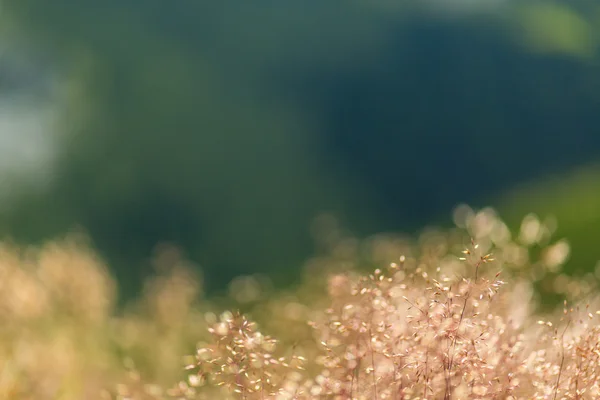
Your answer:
<point x="453" y="314"/>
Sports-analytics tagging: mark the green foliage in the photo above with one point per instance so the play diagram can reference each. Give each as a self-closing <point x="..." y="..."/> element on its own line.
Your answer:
<point x="571" y="198"/>
<point x="226" y="129"/>
<point x="556" y="28"/>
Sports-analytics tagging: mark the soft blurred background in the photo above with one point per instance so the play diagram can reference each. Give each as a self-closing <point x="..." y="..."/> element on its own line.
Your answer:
<point x="228" y="128"/>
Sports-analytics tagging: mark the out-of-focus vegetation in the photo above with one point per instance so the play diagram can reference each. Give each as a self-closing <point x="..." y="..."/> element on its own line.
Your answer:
<point x="62" y="336"/>
<point x="184" y="147"/>
<point x="571" y="198"/>
<point x="225" y="128"/>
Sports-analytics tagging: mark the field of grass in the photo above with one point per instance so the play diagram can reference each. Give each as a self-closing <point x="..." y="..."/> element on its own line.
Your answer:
<point x="451" y="314"/>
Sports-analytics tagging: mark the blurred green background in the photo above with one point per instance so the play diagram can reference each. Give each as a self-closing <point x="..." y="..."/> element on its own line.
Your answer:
<point x="227" y="127"/>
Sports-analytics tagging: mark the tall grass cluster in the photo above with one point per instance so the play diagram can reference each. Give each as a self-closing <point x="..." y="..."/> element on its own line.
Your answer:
<point x="473" y="312"/>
